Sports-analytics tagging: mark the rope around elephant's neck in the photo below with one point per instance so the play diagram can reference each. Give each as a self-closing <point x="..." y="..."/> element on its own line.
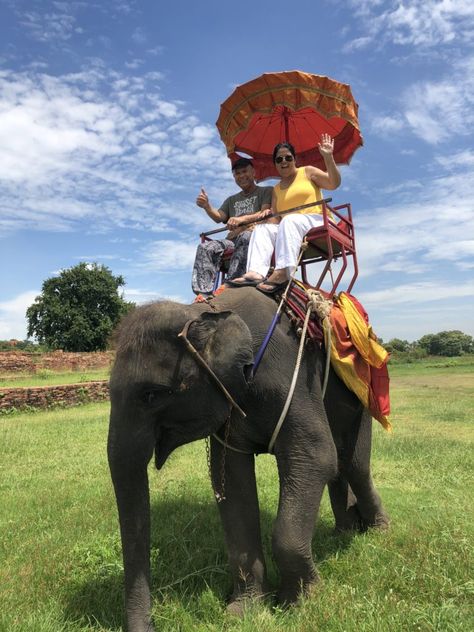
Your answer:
<point x="322" y="307"/>
<point x="219" y="494"/>
<point x="316" y="303"/>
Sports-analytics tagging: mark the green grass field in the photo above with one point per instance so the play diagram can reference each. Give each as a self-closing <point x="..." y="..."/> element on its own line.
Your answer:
<point x="60" y="559"/>
<point x="45" y="377"/>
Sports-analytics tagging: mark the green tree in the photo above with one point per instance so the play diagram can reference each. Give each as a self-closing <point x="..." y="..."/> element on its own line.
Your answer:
<point x="429" y="342"/>
<point x="455" y="343"/>
<point x="78" y="310"/>
<point x="396" y="344"/>
<point x="447" y="343"/>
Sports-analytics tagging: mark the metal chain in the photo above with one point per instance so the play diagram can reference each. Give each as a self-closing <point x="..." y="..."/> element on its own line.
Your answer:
<point x="219" y="495"/>
<point x="208" y="459"/>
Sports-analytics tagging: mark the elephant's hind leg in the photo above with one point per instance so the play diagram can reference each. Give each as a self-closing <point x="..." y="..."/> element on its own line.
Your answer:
<point x="354" y="466"/>
<point x="344" y="505"/>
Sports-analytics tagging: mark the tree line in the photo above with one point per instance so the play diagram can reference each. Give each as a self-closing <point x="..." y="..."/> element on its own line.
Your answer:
<point x="79" y="308"/>
<point x="444" y="343"/>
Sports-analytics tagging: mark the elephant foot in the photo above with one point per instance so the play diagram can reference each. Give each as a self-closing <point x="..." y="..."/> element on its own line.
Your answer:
<point x="238" y="606"/>
<point x="381" y="522"/>
<point x="354" y="521"/>
<point x="140" y="626"/>
<point x="350" y="521"/>
<point x="290" y="595"/>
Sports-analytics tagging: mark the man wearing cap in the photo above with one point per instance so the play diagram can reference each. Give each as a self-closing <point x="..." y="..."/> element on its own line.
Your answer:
<point x="246" y="206"/>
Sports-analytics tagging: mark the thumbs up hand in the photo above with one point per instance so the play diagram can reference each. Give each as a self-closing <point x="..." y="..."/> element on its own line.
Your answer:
<point x="202" y="199"/>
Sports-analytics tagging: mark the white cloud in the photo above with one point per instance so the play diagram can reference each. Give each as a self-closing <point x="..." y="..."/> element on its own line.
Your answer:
<point x="413" y="320"/>
<point x="47" y="27"/>
<point x="139" y="36"/>
<point x="434" y="110"/>
<point x="95" y="258"/>
<point x="134" y="64"/>
<point x="357" y="44"/>
<point x="167" y="255"/>
<point x="419" y="23"/>
<point x="57" y="22"/>
<point x="461" y="159"/>
<point x="99" y="146"/>
<point x="386" y="125"/>
<point x="437" y="110"/>
<point x="147" y="296"/>
<point x="12" y="315"/>
<point x="417" y="292"/>
<point x="424" y="230"/>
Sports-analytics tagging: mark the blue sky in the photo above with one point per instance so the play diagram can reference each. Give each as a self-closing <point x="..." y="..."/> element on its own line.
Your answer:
<point x="107" y="131"/>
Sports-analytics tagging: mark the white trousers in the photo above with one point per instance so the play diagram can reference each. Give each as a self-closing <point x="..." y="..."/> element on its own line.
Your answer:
<point x="285" y="238"/>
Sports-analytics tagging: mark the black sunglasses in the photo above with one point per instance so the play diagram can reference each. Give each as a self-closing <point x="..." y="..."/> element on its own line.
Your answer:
<point x="280" y="159"/>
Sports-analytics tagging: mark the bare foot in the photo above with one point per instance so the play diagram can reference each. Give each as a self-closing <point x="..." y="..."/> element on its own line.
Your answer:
<point x="249" y="276"/>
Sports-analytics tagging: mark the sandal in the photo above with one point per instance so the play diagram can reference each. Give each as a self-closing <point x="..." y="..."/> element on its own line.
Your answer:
<point x="274" y="287"/>
<point x="244" y="282"/>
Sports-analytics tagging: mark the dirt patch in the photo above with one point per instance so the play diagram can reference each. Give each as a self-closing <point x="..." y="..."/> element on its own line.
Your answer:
<point x="445" y="380"/>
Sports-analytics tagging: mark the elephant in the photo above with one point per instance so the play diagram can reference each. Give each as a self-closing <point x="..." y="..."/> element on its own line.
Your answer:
<point x="162" y="396"/>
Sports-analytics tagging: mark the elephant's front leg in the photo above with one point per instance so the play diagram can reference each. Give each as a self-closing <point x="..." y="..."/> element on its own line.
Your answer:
<point x="305" y="467"/>
<point x="129" y="453"/>
<point x="234" y="477"/>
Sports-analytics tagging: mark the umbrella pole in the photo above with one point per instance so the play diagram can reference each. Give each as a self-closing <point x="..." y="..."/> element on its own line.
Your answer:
<point x="285" y="119"/>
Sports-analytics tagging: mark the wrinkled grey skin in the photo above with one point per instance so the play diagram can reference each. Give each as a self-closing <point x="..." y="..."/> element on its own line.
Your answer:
<point x="162" y="398"/>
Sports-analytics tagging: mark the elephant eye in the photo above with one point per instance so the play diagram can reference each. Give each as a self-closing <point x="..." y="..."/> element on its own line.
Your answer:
<point x="150" y="397"/>
<point x="155" y="395"/>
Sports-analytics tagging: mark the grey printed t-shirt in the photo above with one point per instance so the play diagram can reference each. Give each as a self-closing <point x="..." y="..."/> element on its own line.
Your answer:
<point x="241" y="204"/>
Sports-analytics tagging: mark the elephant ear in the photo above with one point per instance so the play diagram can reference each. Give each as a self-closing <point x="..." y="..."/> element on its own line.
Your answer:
<point x="225" y="342"/>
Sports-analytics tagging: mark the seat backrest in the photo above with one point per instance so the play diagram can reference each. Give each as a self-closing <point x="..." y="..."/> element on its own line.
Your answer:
<point x="344" y="226"/>
<point x="339" y="230"/>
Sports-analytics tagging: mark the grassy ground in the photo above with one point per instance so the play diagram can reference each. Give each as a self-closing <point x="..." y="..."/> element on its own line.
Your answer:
<point x="459" y="364"/>
<point x="60" y="566"/>
<point x="45" y="377"/>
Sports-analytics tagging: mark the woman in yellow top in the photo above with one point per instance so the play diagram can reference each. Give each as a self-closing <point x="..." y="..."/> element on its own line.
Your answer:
<point x="298" y="186"/>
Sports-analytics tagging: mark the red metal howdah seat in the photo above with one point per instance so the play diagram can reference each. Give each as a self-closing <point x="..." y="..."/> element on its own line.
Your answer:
<point x="332" y="241"/>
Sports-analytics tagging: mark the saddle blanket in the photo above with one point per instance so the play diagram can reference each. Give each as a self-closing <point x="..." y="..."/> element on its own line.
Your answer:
<point x="356" y="355"/>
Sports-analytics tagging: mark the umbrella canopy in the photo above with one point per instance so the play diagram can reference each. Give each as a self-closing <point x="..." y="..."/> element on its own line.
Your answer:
<point x="289" y="106"/>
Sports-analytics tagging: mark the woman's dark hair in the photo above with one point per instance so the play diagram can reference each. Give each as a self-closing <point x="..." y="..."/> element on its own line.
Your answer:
<point x="288" y="146"/>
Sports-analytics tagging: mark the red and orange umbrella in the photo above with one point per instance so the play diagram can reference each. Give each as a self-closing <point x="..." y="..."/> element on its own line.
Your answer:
<point x="289" y="106"/>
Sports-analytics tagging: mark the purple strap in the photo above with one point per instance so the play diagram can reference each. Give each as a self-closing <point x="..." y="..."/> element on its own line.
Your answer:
<point x="264" y="344"/>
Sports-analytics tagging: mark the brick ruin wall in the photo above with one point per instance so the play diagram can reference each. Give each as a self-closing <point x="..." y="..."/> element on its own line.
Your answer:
<point x="51" y="396"/>
<point x="21" y="362"/>
<point x="14" y="362"/>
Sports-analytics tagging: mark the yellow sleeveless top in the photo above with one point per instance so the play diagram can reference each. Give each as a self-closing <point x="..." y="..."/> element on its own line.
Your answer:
<point x="301" y="191"/>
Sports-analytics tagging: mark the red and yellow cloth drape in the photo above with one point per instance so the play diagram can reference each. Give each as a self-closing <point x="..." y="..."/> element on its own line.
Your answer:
<point x="358" y="359"/>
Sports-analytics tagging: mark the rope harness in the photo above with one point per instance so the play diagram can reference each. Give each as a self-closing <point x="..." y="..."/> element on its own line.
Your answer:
<point x="318" y="305"/>
<point x="322" y="307"/>
<point x="195" y="353"/>
<point x="220" y="495"/>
